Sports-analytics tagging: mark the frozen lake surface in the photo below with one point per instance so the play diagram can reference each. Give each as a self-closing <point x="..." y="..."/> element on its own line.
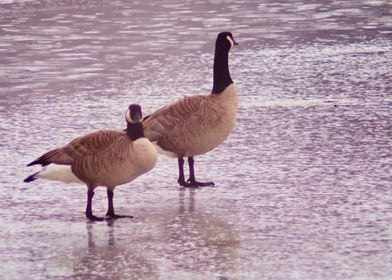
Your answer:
<point x="303" y="185"/>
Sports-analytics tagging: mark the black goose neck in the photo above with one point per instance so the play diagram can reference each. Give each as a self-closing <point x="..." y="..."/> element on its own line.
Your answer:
<point x="222" y="77"/>
<point x="135" y="130"/>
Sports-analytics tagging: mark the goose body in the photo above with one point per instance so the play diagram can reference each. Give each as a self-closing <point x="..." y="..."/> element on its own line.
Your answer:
<point x="104" y="158"/>
<point x="110" y="158"/>
<point x="194" y="125"/>
<point x="197" y="124"/>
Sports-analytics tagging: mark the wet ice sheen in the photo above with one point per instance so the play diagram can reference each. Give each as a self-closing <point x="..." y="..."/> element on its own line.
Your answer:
<point x="303" y="183"/>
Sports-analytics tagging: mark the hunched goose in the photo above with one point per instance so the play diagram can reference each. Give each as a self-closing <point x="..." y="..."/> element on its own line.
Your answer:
<point x="104" y="158"/>
<point x="197" y="124"/>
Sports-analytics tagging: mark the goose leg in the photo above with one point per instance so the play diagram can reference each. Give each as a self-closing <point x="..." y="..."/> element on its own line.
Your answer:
<point x="89" y="211"/>
<point x="192" y="180"/>
<point x="181" y="177"/>
<point x="110" y="213"/>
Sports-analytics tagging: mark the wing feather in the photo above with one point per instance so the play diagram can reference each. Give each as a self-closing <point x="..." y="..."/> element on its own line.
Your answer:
<point x="166" y="119"/>
<point x="80" y="147"/>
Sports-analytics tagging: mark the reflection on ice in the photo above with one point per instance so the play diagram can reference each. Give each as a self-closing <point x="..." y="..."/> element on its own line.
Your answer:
<point x="190" y="240"/>
<point x="107" y="260"/>
<point x="199" y="241"/>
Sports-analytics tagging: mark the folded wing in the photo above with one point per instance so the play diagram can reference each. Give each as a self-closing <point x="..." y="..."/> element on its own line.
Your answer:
<point x="80" y="147"/>
<point x="170" y="118"/>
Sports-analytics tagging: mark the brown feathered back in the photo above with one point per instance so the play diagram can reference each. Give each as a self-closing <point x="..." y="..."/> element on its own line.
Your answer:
<point x="193" y="125"/>
<point x="79" y="147"/>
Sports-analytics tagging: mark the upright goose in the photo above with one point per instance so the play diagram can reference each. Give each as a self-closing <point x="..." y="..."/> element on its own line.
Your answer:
<point x="195" y="125"/>
<point x="103" y="158"/>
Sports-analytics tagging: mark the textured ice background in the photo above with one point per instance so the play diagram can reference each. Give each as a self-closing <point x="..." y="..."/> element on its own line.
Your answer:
<point x="303" y="183"/>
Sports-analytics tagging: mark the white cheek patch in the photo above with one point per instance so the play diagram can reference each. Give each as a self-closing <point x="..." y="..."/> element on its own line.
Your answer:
<point x="128" y="116"/>
<point x="230" y="40"/>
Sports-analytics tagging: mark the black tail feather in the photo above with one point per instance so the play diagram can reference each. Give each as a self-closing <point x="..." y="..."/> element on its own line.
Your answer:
<point x="37" y="161"/>
<point x="44" y="159"/>
<point x="30" y="178"/>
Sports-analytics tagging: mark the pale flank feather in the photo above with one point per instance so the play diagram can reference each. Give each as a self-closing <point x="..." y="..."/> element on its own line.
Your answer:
<point x="55" y="172"/>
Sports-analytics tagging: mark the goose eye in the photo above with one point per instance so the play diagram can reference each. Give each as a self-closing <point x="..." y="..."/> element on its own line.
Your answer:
<point x="230" y="40"/>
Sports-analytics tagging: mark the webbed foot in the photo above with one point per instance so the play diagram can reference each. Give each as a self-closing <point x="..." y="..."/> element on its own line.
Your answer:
<point x="195" y="184"/>
<point x="112" y="216"/>
<point x="92" y="217"/>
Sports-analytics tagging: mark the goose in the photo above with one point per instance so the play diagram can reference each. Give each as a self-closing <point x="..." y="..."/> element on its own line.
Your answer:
<point x="103" y="158"/>
<point x="197" y="124"/>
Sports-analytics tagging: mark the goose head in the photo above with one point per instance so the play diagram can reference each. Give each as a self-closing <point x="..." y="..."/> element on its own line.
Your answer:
<point x="225" y="41"/>
<point x="134" y="114"/>
<point x="134" y="122"/>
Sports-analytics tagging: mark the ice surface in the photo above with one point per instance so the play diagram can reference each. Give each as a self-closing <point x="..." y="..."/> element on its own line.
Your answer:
<point x="303" y="183"/>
